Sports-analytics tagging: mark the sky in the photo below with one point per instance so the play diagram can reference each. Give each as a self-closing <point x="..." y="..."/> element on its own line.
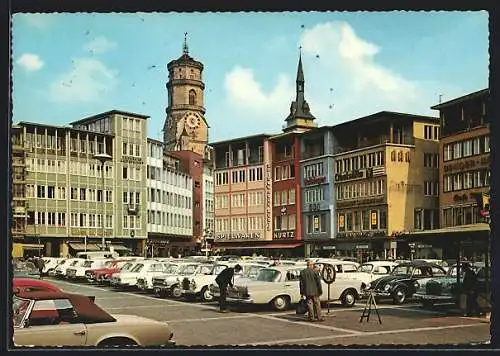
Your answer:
<point x="69" y="66"/>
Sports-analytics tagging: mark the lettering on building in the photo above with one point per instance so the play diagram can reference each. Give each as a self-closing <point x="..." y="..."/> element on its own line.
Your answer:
<point x="468" y="164"/>
<point x="314" y="207"/>
<point x="356" y="202"/>
<point x="283" y="235"/>
<point x="239" y="236"/>
<point x="314" y="180"/>
<point x="361" y="234"/>
<point x="129" y="159"/>
<point x="269" y="197"/>
<point x="458" y="197"/>
<point x="356" y="174"/>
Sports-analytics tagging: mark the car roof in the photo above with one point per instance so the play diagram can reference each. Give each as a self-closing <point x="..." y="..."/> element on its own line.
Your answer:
<point x="86" y="309"/>
<point x="420" y="263"/>
<point x="23" y="282"/>
<point x="378" y="263"/>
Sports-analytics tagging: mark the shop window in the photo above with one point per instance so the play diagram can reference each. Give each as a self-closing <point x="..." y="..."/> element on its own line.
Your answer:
<point x="400" y="156"/>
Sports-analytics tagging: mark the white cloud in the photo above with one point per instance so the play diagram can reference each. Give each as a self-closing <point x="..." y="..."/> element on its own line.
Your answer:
<point x="30" y="62"/>
<point x="39" y="21"/>
<point x="343" y="82"/>
<point x="100" y="44"/>
<point x="89" y="80"/>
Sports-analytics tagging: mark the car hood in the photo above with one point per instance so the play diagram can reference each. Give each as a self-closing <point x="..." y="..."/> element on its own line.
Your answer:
<point x="382" y="281"/>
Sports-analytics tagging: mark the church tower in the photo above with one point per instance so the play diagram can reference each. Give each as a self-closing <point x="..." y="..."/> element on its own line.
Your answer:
<point x="185" y="127"/>
<point x="300" y="118"/>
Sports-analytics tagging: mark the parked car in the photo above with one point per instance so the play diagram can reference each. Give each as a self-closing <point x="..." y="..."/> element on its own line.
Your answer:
<point x="78" y="272"/>
<point x="279" y="287"/>
<point x="400" y="284"/>
<point x="66" y="319"/>
<point x="146" y="275"/>
<point x="60" y="271"/>
<point x="23" y="285"/>
<point x="103" y="275"/>
<point x="444" y="289"/>
<point x="441" y="263"/>
<point x="369" y="271"/>
<point x="25" y="269"/>
<point x="128" y="278"/>
<point x="199" y="284"/>
<point x="50" y="263"/>
<point x="169" y="284"/>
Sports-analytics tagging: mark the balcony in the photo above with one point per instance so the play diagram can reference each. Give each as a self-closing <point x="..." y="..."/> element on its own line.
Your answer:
<point x="312" y="153"/>
<point x="283" y="157"/>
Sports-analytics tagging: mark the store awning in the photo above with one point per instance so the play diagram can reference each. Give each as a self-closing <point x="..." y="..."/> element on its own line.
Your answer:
<point x="259" y="246"/>
<point x="119" y="248"/>
<point x="81" y="247"/>
<point x="456" y="229"/>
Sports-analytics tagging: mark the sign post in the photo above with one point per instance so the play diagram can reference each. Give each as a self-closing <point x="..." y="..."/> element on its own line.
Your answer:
<point x="328" y="274"/>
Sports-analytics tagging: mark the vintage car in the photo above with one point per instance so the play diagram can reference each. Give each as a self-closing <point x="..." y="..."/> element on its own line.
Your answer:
<point x="50" y="263"/>
<point x="199" y="284"/>
<point x="369" y="271"/>
<point x="60" y="271"/>
<point x="79" y="272"/>
<point x="48" y="318"/>
<point x="23" y="285"/>
<point x="103" y="275"/>
<point x="441" y="263"/>
<point x="279" y="286"/>
<point x="169" y="284"/>
<point x="146" y="275"/>
<point x="445" y="289"/>
<point x="128" y="278"/>
<point x="25" y="269"/>
<point x="400" y="284"/>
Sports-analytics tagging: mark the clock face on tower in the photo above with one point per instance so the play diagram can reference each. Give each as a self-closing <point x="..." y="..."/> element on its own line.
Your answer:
<point x="192" y="120"/>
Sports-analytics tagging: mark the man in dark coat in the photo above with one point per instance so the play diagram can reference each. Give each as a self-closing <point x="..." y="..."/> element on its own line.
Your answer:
<point x="310" y="288"/>
<point x="469" y="285"/>
<point x="225" y="279"/>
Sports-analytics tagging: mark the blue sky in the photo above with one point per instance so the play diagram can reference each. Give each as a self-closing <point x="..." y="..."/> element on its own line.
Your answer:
<point x="68" y="66"/>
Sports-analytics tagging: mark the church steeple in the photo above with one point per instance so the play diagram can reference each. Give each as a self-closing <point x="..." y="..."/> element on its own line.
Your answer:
<point x="300" y="116"/>
<point x="185" y="49"/>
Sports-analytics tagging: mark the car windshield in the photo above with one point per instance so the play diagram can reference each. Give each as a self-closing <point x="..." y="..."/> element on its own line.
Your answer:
<point x="187" y="269"/>
<point x="19" y="309"/>
<point x="74" y="263"/>
<point x="157" y="267"/>
<point x="365" y="268"/>
<point x="398" y="270"/>
<point x="172" y="269"/>
<point x="88" y="263"/>
<point x="137" y="268"/>
<point x="218" y="269"/>
<point x="268" y="275"/>
<point x="109" y="264"/>
<point x="126" y="267"/>
<point x="251" y="272"/>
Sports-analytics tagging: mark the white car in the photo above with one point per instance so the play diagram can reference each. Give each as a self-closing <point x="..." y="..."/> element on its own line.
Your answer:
<point x="128" y="278"/>
<point x="60" y="271"/>
<point x="199" y="284"/>
<point x="279" y="286"/>
<point x="372" y="270"/>
<point x="146" y="275"/>
<point x="77" y="272"/>
<point x="170" y="283"/>
<point x="50" y="263"/>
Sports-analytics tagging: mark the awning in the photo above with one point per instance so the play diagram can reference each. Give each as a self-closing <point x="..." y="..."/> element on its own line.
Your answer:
<point x="119" y="248"/>
<point x="456" y="229"/>
<point x="33" y="246"/>
<point x="81" y="247"/>
<point x="259" y="246"/>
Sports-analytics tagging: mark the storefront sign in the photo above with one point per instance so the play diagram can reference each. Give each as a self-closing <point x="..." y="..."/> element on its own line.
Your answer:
<point x="362" y="247"/>
<point x="130" y="159"/>
<point x="341" y="224"/>
<point x="314" y="180"/>
<point x="269" y="197"/>
<point x="241" y="236"/>
<point x="373" y="218"/>
<point x="314" y="207"/>
<point x="358" y="202"/>
<point x="283" y="235"/>
<point x="361" y="234"/>
<point x="468" y="164"/>
<point x="356" y="174"/>
<point x="328" y="247"/>
<point x="462" y="197"/>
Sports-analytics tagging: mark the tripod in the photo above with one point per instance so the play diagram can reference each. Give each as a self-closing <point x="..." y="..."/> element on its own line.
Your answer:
<point x="370" y="303"/>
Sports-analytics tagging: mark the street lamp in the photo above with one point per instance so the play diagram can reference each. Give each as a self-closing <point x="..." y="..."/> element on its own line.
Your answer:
<point x="207" y="233"/>
<point x="103" y="158"/>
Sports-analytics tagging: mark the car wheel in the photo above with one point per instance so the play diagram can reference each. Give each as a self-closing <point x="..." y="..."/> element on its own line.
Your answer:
<point x="348" y="298"/>
<point x="162" y="293"/>
<point x="176" y="291"/>
<point x="117" y="342"/>
<point x="399" y="296"/>
<point x="206" y="296"/>
<point x="281" y="303"/>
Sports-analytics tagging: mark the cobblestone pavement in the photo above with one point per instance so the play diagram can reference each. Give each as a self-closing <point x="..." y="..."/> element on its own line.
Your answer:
<point x="196" y="323"/>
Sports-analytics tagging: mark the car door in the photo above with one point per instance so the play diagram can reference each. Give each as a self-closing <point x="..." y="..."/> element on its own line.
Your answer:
<point x="291" y="284"/>
<point x="52" y="323"/>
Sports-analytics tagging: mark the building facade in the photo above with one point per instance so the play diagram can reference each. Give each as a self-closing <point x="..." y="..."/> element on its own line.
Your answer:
<point x="318" y="189"/>
<point x="242" y="193"/>
<point x="208" y="202"/>
<point x="464" y="159"/>
<point x="169" y="202"/>
<point x="386" y="182"/>
<point x="186" y="128"/>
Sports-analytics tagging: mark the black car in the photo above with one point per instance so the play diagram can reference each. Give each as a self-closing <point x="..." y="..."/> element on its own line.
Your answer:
<point x="400" y="284"/>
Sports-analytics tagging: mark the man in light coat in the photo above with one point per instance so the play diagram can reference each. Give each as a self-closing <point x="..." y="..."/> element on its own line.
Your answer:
<point x="310" y="288"/>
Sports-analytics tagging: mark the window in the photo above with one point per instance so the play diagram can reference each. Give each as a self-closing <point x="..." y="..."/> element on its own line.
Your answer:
<point x="457" y="150"/>
<point x="447" y="184"/>
<point x="284" y="197"/>
<point x="291" y="196"/>
<point x="486" y="143"/>
<point x="277" y="173"/>
<point x="467" y="145"/>
<point x="447" y="152"/>
<point x="277" y="198"/>
<point x="476" y="146"/>
<point x="259" y="173"/>
<point x="192" y="97"/>
<point x="50" y="192"/>
<point x="40" y="191"/>
<point x="125" y="173"/>
<point x="83" y="194"/>
<point x="393" y="156"/>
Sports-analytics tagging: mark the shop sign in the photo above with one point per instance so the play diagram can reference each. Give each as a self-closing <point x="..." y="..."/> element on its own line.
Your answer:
<point x="283" y="235"/>
<point x="424" y="246"/>
<point x="329" y="247"/>
<point x="240" y="236"/>
<point x="130" y="159"/>
<point x="462" y="197"/>
<point x="356" y="202"/>
<point x="314" y="207"/>
<point x="361" y="247"/>
<point x="373" y="218"/>
<point x="269" y="197"/>
<point x="468" y="164"/>
<point x="314" y="180"/>
<point x="356" y="174"/>
<point x="361" y="234"/>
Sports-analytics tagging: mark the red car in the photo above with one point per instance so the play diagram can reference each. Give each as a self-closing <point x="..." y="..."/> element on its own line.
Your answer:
<point x="23" y="285"/>
<point x="102" y="275"/>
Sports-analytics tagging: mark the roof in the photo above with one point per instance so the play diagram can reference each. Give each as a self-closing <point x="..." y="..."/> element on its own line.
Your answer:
<point x="86" y="309"/>
<point x="384" y="115"/>
<point x="461" y="99"/>
<point x="38" y="124"/>
<point x="284" y="134"/>
<point x="158" y="142"/>
<point x="108" y="113"/>
<point x="244" y="138"/>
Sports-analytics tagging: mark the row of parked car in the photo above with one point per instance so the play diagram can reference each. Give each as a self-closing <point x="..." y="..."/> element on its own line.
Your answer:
<point x="265" y="281"/>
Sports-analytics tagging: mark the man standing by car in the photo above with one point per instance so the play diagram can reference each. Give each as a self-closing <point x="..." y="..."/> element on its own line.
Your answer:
<point x="310" y="288"/>
<point x="470" y="289"/>
<point x="223" y="280"/>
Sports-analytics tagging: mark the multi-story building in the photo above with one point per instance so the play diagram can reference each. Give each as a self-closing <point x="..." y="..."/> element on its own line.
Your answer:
<point x="208" y="207"/>
<point x="243" y="178"/>
<point x="318" y="190"/>
<point x="464" y="167"/>
<point x="169" y="202"/>
<point x="386" y="181"/>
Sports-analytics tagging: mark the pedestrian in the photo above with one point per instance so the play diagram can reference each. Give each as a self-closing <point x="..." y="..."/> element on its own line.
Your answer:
<point x="223" y="280"/>
<point x="469" y="286"/>
<point x="40" y="264"/>
<point x="311" y="290"/>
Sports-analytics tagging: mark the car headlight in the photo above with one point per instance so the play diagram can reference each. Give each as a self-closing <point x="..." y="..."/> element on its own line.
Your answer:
<point x="387" y="287"/>
<point x="192" y="284"/>
<point x="416" y="285"/>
